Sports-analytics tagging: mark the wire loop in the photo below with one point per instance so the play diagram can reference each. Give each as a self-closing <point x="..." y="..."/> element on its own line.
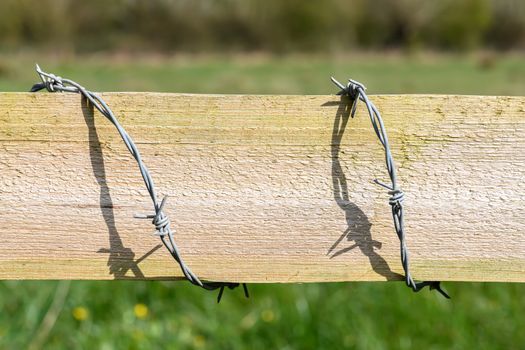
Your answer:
<point x="160" y="220"/>
<point x="356" y="92"/>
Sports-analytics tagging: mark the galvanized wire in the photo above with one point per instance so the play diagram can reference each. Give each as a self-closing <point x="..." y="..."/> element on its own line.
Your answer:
<point x="356" y="92"/>
<point x="53" y="83"/>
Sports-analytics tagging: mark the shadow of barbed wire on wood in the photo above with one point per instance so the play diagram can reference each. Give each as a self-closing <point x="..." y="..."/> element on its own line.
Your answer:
<point x="358" y="225"/>
<point x="121" y="259"/>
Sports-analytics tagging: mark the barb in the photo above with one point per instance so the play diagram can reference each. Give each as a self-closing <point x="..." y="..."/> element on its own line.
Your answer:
<point x="53" y="83"/>
<point x="356" y="91"/>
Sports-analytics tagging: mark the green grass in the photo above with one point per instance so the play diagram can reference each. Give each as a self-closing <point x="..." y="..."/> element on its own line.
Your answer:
<point x="308" y="316"/>
<point x="489" y="75"/>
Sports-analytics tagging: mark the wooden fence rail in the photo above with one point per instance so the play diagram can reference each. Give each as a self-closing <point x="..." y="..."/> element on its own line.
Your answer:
<point x="262" y="188"/>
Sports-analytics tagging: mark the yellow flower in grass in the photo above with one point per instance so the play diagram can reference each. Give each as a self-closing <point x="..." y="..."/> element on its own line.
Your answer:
<point x="268" y="316"/>
<point x="141" y="311"/>
<point x="199" y="341"/>
<point x="80" y="313"/>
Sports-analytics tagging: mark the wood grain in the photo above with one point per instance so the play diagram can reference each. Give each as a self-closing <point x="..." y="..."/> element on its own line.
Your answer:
<point x="262" y="188"/>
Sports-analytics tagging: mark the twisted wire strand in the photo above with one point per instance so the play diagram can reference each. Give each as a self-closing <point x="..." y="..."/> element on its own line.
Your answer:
<point x="356" y="91"/>
<point x="160" y="220"/>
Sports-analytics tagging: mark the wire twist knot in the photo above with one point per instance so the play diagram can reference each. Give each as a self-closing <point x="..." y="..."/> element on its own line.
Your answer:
<point x="160" y="220"/>
<point x="396" y="197"/>
<point x="352" y="89"/>
<point x="162" y="224"/>
<point x="52" y="81"/>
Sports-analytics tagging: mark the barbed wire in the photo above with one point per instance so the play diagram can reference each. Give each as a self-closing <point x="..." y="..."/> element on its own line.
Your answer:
<point x="356" y="92"/>
<point x="354" y="89"/>
<point x="160" y="220"/>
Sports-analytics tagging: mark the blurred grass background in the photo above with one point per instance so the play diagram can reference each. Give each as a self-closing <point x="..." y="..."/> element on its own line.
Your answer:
<point x="272" y="47"/>
<point x="475" y="73"/>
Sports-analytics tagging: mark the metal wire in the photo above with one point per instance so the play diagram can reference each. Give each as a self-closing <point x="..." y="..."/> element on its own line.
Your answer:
<point x="356" y="91"/>
<point x="53" y="83"/>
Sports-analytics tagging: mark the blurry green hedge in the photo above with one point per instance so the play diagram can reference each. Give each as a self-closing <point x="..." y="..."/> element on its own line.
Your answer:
<point x="252" y="25"/>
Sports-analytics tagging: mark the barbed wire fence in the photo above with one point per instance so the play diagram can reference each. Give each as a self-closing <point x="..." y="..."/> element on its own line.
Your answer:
<point x="162" y="223"/>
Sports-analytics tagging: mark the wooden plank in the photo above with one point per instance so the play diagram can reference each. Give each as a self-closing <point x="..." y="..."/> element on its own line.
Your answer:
<point x="261" y="187"/>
